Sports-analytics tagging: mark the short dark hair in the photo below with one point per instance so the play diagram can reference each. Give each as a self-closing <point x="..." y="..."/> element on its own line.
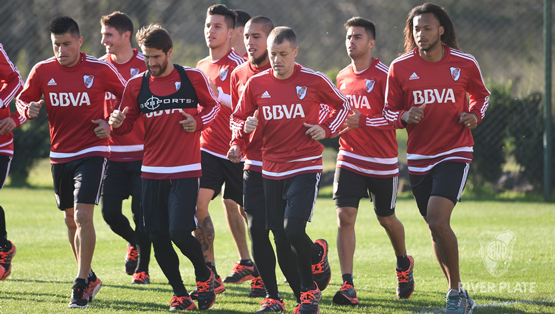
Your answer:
<point x="358" y="21"/>
<point x="281" y="33"/>
<point x="267" y="25"/>
<point x="118" y="20"/>
<point x="154" y="36"/>
<point x="242" y="18"/>
<point x="220" y="9"/>
<point x="449" y="37"/>
<point x="64" y="24"/>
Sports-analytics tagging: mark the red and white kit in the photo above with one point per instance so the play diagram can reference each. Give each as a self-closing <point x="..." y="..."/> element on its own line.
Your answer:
<point x="284" y="105"/>
<point x="216" y="138"/>
<point x="11" y="86"/>
<point x="74" y="96"/>
<point x="178" y="156"/>
<point x="251" y="146"/>
<point x="442" y="86"/>
<point x="370" y="150"/>
<point x="127" y="147"/>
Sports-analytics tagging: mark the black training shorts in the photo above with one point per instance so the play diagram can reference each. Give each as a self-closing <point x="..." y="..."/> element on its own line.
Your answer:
<point x="216" y="171"/>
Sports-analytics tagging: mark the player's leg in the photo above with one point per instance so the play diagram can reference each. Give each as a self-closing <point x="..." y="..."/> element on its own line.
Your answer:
<point x="7" y="248"/>
<point x="233" y="202"/>
<point x="182" y="200"/>
<point x="142" y="238"/>
<point x="384" y="195"/>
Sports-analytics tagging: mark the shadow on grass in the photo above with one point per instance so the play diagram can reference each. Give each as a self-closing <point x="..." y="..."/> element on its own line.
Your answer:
<point x="42" y="281"/>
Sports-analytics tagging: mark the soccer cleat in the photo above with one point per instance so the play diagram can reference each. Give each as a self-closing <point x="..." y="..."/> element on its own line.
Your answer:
<point x="271" y="305"/>
<point x="257" y="288"/>
<point x="6" y="261"/>
<point x="459" y="303"/>
<point x="182" y="304"/>
<point x="405" y="281"/>
<point x="310" y="301"/>
<point x="218" y="288"/>
<point x="321" y="271"/>
<point x="131" y="259"/>
<point x="347" y="295"/>
<point x="297" y="309"/>
<point x="239" y="274"/>
<point x="141" y="278"/>
<point x="94" y="287"/>
<point x="205" y="292"/>
<point x="79" y="295"/>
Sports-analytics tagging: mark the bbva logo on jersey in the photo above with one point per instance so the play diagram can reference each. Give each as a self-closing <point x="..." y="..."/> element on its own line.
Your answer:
<point x="223" y="74"/>
<point x="278" y="112"/>
<point x="429" y="96"/>
<point x="88" y="80"/>
<point x="65" y="99"/>
<point x="301" y="92"/>
<point x="455" y="73"/>
<point x="370" y="85"/>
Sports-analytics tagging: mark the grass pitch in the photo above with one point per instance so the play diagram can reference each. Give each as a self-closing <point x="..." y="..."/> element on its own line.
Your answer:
<point x="44" y="268"/>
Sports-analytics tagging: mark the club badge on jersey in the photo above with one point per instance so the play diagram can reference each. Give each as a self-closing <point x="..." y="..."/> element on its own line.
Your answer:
<point x="223" y="74"/>
<point x="370" y="85"/>
<point x="455" y="73"/>
<point x="301" y="92"/>
<point x="134" y="71"/>
<point x="177" y="85"/>
<point x="88" y="80"/>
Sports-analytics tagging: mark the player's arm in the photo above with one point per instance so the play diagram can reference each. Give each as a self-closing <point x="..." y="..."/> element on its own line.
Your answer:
<point x="29" y="100"/>
<point x="209" y="105"/>
<point x="338" y="103"/>
<point x="244" y="111"/>
<point x="11" y="78"/>
<point x="123" y="119"/>
<point x="478" y="98"/>
<point x="9" y="123"/>
<point x="394" y="107"/>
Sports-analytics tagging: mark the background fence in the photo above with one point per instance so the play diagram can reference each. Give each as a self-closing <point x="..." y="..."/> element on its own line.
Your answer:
<point x="504" y="35"/>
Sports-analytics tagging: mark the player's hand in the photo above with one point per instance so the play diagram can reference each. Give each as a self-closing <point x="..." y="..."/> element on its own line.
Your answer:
<point x="414" y="115"/>
<point x="117" y="117"/>
<point x="251" y="123"/>
<point x="315" y="131"/>
<point x="7" y="125"/>
<point x="214" y="88"/>
<point x="234" y="153"/>
<point x="34" y="108"/>
<point x="352" y="121"/>
<point x="103" y="128"/>
<point x="189" y="124"/>
<point x="469" y="120"/>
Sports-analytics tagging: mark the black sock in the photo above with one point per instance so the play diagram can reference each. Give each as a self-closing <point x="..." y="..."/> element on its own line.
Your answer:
<point x="255" y="271"/>
<point x="246" y="262"/>
<point x="181" y="292"/>
<point x="212" y="266"/>
<point x="403" y="262"/>
<point x="80" y="281"/>
<point x="348" y="278"/>
<point x="305" y="289"/>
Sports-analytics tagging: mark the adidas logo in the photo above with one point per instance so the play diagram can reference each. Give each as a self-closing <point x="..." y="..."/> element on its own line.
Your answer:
<point x="52" y="82"/>
<point x="343" y="86"/>
<point x="266" y="95"/>
<point x="413" y="76"/>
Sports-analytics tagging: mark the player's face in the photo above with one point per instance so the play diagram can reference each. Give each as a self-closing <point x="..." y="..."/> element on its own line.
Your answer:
<point x="282" y="59"/>
<point x="112" y="39"/>
<point x="358" y="42"/>
<point x="66" y="48"/>
<point x="255" y="42"/>
<point x="156" y="60"/>
<point x="426" y="31"/>
<point x="216" y="32"/>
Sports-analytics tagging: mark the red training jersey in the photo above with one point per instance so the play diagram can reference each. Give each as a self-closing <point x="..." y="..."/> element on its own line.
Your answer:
<point x="442" y="86"/>
<point x="370" y="150"/>
<point x="74" y="96"/>
<point x="170" y="152"/>
<point x="284" y="105"/>
<point x="252" y="145"/>
<point x="216" y="138"/>
<point x="11" y="83"/>
<point x="127" y="147"/>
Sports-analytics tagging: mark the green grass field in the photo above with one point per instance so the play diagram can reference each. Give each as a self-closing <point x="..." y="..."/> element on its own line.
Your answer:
<point x="43" y="269"/>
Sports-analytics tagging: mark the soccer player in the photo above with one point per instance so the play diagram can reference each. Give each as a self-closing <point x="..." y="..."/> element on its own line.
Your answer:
<point x="367" y="160"/>
<point x="214" y="141"/>
<point x="427" y="94"/>
<point x="123" y="172"/>
<point x="288" y="98"/>
<point x="237" y="42"/>
<point x="11" y="86"/>
<point x="74" y="85"/>
<point x="168" y="95"/>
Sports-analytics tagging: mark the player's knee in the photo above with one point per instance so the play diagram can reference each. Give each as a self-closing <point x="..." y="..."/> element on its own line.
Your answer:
<point x="181" y="238"/>
<point x="387" y="222"/>
<point x="345" y="219"/>
<point x="437" y="226"/>
<point x="230" y="206"/>
<point x="258" y="232"/>
<point x="70" y="222"/>
<point x="109" y="217"/>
